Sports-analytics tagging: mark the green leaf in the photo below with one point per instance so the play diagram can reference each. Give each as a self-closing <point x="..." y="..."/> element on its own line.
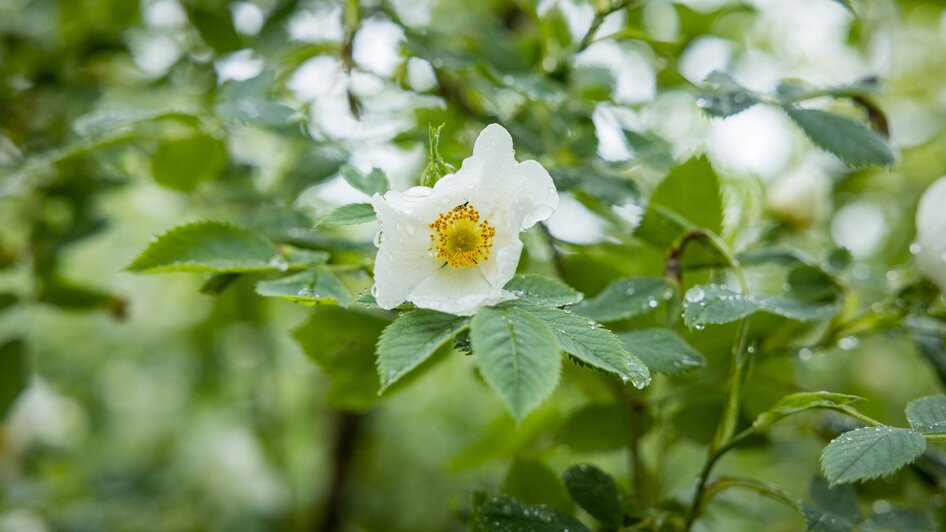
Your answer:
<point x="217" y="283"/>
<point x="847" y="5"/>
<point x="927" y="415"/>
<point x="542" y="290"/>
<point x="351" y="214"/>
<point x="533" y="482"/>
<point x="592" y="344"/>
<point x="312" y="287"/>
<point x="591" y="428"/>
<point x="717" y="304"/>
<point x="691" y="195"/>
<point x="216" y="29"/>
<point x="626" y="298"/>
<point x="799" y="402"/>
<point x="12" y="373"/>
<point x="506" y="514"/>
<point x="833" y="508"/>
<point x="215" y="247"/>
<point x="596" y="492"/>
<point x="70" y="295"/>
<point x="375" y="182"/>
<point x="898" y="520"/>
<point x="724" y="96"/>
<point x="850" y="140"/>
<point x="870" y="452"/>
<point x="662" y="351"/>
<point x="341" y="342"/>
<point x="412" y="339"/>
<point x="517" y="355"/>
<point x="183" y="163"/>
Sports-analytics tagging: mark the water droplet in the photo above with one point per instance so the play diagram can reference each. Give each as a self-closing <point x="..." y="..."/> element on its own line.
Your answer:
<point x="411" y="230"/>
<point x="915" y="248"/>
<point x="804" y="353"/>
<point x="848" y="343"/>
<point x="304" y="292"/>
<point x="701" y="102"/>
<point x="695" y="295"/>
<point x="892" y="275"/>
<point x="699" y="325"/>
<point x="652" y="302"/>
<point x="377" y="239"/>
<point x="630" y="291"/>
<point x="374" y="291"/>
<point x="279" y="263"/>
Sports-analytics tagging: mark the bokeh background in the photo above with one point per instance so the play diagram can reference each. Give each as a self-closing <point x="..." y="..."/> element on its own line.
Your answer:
<point x="147" y="405"/>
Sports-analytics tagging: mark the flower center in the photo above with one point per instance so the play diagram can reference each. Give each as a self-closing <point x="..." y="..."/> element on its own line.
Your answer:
<point x="460" y="239"/>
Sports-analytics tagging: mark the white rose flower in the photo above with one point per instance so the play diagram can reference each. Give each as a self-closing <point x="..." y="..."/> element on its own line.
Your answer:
<point x="931" y="233"/>
<point x="454" y="247"/>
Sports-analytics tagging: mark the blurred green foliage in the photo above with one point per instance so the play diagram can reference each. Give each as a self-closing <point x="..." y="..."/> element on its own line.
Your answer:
<point x="697" y="135"/>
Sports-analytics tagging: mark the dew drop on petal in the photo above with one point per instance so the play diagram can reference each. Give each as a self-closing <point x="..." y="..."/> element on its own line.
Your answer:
<point x="915" y="248"/>
<point x="377" y="239"/>
<point x="374" y="290"/>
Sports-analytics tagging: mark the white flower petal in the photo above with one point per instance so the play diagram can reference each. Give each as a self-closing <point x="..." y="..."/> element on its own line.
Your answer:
<point x="403" y="261"/>
<point x="536" y="197"/>
<point x="504" y="257"/>
<point x="931" y="233"/>
<point x="508" y="195"/>
<point x="493" y="152"/>
<point x="457" y="291"/>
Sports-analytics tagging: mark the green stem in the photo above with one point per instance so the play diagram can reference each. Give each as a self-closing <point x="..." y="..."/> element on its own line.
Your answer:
<point x="596" y="23"/>
<point x="765" y="488"/>
<point x="634" y="408"/>
<point x="846" y="410"/>
<point x="711" y="460"/>
<point x="936" y="438"/>
<point x="737" y="371"/>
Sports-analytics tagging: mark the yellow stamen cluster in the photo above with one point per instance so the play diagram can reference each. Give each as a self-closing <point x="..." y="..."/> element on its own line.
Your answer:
<point x="460" y="239"/>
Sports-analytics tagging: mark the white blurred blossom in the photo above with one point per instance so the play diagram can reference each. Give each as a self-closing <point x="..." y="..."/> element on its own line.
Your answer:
<point x="931" y="233"/>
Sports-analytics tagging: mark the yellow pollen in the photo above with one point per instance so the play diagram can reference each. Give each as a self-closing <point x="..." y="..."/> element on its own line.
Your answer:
<point x="460" y="239"/>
